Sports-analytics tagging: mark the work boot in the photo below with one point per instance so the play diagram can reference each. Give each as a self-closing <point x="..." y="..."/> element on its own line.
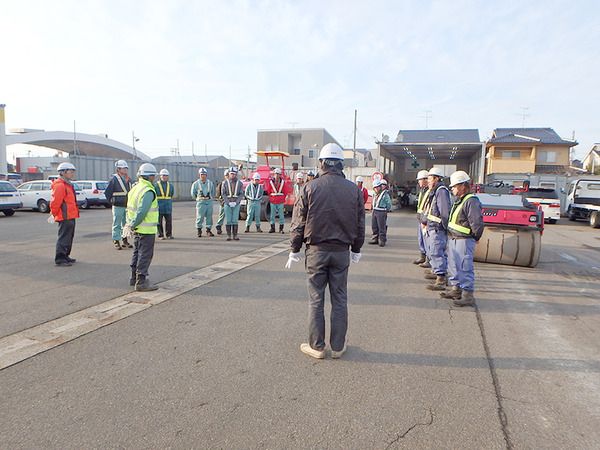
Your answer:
<point x="199" y="232"/>
<point x="425" y="265"/>
<point x="421" y="260"/>
<point x="117" y="245"/>
<point x="209" y="233"/>
<point x="126" y="244"/>
<point x="439" y="285"/>
<point x="247" y="230"/>
<point x="219" y="229"/>
<point x="308" y="350"/>
<point x="258" y="230"/>
<point x="272" y="230"/>
<point x="428" y="271"/>
<point x="235" y="232"/>
<point x="430" y="276"/>
<point x="281" y="229"/>
<point x="142" y="284"/>
<point x="467" y="299"/>
<point x="133" y="278"/>
<point x="382" y="243"/>
<point x="453" y="293"/>
<point x="228" y="229"/>
<point x="374" y="240"/>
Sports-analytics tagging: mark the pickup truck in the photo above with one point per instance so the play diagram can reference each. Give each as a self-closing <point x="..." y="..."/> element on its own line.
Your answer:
<point x="583" y="201"/>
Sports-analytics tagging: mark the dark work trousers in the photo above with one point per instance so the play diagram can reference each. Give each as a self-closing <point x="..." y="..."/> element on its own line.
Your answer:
<point x="379" y="225"/>
<point x="143" y="251"/>
<point x="66" y="231"/>
<point x="327" y="268"/>
<point x="168" y="224"/>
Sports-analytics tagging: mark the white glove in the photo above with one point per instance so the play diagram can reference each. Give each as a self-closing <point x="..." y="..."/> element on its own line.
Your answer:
<point x="292" y="258"/>
<point x="232" y="204"/>
<point x="355" y="257"/>
<point x="51" y="219"/>
<point x="127" y="232"/>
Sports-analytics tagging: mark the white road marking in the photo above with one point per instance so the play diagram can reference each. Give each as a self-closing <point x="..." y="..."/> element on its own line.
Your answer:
<point x="20" y="346"/>
<point x="567" y="257"/>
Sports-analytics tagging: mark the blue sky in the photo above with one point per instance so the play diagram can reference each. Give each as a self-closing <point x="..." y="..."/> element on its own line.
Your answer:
<point x="214" y="72"/>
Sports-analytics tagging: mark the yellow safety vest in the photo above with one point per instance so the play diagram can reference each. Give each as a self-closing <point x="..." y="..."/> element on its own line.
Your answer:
<point x="134" y="201"/>
<point x="162" y="195"/>
<point x="421" y="201"/>
<point x="456" y="208"/>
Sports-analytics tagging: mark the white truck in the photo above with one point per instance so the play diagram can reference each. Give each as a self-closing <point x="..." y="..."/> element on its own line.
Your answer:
<point x="583" y="201"/>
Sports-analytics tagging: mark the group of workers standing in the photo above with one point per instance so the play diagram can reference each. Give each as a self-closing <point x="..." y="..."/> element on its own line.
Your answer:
<point x="447" y="234"/>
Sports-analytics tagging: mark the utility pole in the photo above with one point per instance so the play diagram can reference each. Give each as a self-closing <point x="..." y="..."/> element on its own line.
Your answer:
<point x="354" y="145"/>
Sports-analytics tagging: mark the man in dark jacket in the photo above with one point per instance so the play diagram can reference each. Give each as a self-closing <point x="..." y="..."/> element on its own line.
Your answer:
<point x="329" y="217"/>
<point x="116" y="193"/>
<point x="465" y="228"/>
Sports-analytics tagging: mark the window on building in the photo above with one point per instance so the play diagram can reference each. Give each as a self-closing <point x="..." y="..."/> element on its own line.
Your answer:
<point x="311" y="154"/>
<point x="547" y="157"/>
<point x="296" y="151"/>
<point x="511" y="154"/>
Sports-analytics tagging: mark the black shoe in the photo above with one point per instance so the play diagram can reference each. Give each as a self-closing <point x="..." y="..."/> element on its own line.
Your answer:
<point x="281" y="229"/>
<point x="272" y="230"/>
<point x="247" y="230"/>
<point x="63" y="263"/>
<point x="199" y="233"/>
<point x="228" y="229"/>
<point x="71" y="260"/>
<point x="382" y="244"/>
<point x="258" y="230"/>
<point x="142" y="284"/>
<point x="209" y="233"/>
<point x="126" y="244"/>
<point x="117" y="245"/>
<point x="234" y="228"/>
<point x="219" y="229"/>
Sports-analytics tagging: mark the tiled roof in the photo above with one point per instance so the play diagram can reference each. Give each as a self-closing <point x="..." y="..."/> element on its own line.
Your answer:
<point x="528" y="136"/>
<point x="435" y="136"/>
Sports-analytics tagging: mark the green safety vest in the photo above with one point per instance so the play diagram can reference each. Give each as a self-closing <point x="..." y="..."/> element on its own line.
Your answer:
<point x="456" y="208"/>
<point x="163" y="195"/>
<point x="134" y="201"/>
<point x="420" y="202"/>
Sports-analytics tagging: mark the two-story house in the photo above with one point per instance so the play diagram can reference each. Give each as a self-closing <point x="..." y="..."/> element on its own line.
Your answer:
<point x="527" y="150"/>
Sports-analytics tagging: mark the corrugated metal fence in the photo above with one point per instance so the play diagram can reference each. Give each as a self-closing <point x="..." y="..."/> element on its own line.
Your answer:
<point x="181" y="175"/>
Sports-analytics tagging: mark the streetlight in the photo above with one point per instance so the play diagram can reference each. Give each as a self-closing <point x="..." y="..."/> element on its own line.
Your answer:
<point x="133" y="141"/>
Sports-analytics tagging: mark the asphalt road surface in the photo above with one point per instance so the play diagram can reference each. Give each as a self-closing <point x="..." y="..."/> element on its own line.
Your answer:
<point x="213" y="360"/>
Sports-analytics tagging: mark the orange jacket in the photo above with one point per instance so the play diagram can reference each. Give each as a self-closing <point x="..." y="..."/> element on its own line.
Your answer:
<point x="63" y="203"/>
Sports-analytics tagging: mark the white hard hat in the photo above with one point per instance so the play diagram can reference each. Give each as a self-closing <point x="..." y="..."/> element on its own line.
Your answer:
<point x="459" y="177"/>
<point x="202" y="171"/>
<point x="384" y="181"/>
<point x="233" y="169"/>
<point x="65" y="166"/>
<point x="256" y="176"/>
<point x="360" y="180"/>
<point x="277" y="171"/>
<point x="422" y="174"/>
<point x="436" y="172"/>
<point x="121" y="164"/>
<point x="311" y="173"/>
<point x="331" y="151"/>
<point x="378" y="182"/>
<point x="299" y="176"/>
<point x="226" y="172"/>
<point x="164" y="172"/>
<point x="147" y="170"/>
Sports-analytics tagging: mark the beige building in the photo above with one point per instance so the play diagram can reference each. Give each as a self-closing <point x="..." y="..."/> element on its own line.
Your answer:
<point x="527" y="150"/>
<point x="302" y="144"/>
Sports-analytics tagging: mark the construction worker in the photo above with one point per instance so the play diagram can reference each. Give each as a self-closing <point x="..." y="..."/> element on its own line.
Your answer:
<point x="277" y="191"/>
<point x="203" y="190"/>
<point x="116" y="193"/>
<point x="437" y="212"/>
<point x="382" y="204"/>
<point x="165" y="191"/>
<point x="365" y="192"/>
<point x="423" y="193"/>
<point x="64" y="210"/>
<point x="310" y="175"/>
<point x="329" y="217"/>
<point x="254" y="194"/>
<point x="221" y="217"/>
<point x="232" y="191"/>
<point x="299" y="184"/>
<point x="142" y="222"/>
<point x="465" y="228"/>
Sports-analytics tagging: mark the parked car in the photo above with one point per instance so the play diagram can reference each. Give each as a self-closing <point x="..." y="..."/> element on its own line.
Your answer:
<point x="10" y="199"/>
<point x="547" y="199"/>
<point x="14" y="178"/>
<point x="36" y="195"/>
<point x="93" y="191"/>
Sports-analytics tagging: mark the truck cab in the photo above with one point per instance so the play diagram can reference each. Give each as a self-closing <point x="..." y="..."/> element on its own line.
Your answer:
<point x="583" y="201"/>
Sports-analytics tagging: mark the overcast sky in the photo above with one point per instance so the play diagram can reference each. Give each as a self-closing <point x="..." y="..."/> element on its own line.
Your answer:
<point x="214" y="72"/>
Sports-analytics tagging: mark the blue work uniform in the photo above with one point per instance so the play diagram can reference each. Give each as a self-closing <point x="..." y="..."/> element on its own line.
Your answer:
<point x="204" y="194"/>
<point x="116" y="193"/>
<point x="232" y="192"/>
<point x="165" y="192"/>
<point x="254" y="194"/>
<point x="382" y="203"/>
<point x="437" y="214"/>
<point x="423" y="194"/>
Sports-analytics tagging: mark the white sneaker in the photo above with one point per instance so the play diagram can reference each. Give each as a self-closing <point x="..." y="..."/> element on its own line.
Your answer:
<point x="308" y="350"/>
<point x="337" y="355"/>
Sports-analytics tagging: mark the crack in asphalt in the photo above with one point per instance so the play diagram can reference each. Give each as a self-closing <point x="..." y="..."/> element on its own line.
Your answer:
<point x="501" y="413"/>
<point x="412" y="427"/>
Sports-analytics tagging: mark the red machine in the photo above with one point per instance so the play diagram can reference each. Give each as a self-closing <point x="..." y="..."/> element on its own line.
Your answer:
<point x="272" y="159"/>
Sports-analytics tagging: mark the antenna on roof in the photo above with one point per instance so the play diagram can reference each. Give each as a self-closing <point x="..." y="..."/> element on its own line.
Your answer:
<point x="427" y="116"/>
<point x="524" y="114"/>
